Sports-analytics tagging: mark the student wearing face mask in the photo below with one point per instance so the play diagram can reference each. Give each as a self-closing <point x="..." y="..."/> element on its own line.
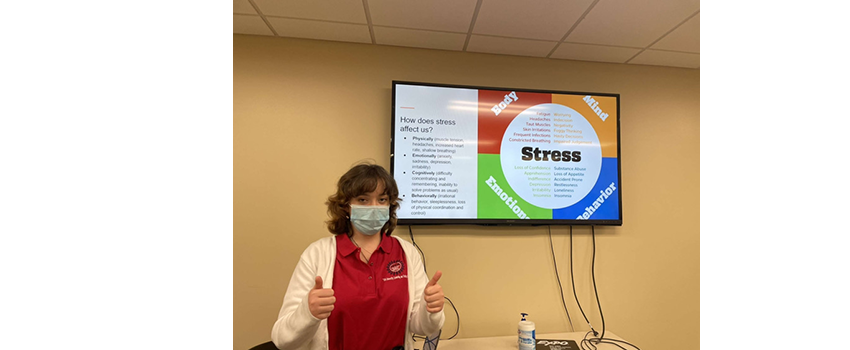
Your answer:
<point x="361" y="288"/>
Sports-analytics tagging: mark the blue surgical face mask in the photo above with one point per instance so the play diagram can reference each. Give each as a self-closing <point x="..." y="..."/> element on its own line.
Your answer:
<point x="369" y="219"/>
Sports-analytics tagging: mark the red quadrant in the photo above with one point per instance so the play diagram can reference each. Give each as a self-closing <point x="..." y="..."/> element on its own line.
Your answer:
<point x="491" y="127"/>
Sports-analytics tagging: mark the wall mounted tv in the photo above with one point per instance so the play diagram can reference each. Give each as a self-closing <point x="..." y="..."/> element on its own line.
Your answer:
<point x="494" y="155"/>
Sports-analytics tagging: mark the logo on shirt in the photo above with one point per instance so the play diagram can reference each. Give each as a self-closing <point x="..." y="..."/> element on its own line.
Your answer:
<point x="395" y="267"/>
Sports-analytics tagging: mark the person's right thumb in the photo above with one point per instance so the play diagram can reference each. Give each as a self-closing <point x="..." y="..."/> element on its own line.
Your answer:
<point x="318" y="283"/>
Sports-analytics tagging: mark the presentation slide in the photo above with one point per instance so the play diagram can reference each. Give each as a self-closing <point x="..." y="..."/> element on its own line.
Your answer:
<point x="461" y="153"/>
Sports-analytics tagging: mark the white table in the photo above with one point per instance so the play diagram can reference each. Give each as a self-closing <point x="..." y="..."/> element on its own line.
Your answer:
<point x="510" y="342"/>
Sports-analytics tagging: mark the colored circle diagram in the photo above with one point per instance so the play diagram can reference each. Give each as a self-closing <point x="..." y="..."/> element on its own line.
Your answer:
<point x="551" y="155"/>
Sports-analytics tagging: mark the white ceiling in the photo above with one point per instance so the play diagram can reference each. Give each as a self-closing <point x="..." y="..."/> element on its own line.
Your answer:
<point x="646" y="32"/>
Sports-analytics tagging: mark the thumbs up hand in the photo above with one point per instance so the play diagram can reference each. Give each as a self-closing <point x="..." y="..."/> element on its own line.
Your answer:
<point x="321" y="300"/>
<point x="434" y="294"/>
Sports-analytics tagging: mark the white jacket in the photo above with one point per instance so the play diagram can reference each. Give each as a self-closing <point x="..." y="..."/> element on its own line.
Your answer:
<point x="297" y="329"/>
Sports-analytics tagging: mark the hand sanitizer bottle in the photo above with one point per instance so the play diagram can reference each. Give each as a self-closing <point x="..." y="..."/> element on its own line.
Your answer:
<point x="527" y="339"/>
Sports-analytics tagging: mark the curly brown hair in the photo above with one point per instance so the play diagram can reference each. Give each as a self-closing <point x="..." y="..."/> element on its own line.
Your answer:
<point x="360" y="179"/>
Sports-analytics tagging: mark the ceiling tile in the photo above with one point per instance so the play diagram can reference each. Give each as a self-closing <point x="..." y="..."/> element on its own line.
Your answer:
<point x="419" y="38"/>
<point x="631" y="23"/>
<point x="508" y="46"/>
<point x="667" y="58"/>
<point x="544" y="19"/>
<point x="612" y="31"/>
<point x="308" y="29"/>
<point x="329" y="10"/>
<point x="597" y="53"/>
<point x="243" y="7"/>
<point x="244" y="24"/>
<point x="445" y="15"/>
<point x="685" y="38"/>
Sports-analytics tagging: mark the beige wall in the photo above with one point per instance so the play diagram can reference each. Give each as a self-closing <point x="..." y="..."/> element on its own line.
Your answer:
<point x="304" y="111"/>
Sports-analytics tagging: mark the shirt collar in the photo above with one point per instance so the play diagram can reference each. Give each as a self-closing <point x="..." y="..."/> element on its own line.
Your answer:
<point x="386" y="244"/>
<point x="346" y="247"/>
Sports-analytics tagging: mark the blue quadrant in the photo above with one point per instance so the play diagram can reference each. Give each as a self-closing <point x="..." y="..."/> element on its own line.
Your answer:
<point x="610" y="207"/>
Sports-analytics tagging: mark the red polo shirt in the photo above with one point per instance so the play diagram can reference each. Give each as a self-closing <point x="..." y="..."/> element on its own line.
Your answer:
<point x="370" y="312"/>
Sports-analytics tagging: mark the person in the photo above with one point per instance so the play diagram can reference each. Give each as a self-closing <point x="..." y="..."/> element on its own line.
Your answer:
<point x="361" y="288"/>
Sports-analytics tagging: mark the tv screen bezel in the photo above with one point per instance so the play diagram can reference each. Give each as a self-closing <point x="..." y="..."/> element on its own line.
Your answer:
<point x="509" y="222"/>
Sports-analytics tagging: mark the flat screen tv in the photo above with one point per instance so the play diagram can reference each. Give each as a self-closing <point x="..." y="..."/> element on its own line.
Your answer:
<point x="505" y="156"/>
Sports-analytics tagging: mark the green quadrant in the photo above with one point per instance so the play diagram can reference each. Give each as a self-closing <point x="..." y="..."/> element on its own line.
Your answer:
<point x="490" y="205"/>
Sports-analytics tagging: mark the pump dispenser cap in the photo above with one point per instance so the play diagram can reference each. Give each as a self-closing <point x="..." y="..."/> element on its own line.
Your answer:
<point x="523" y="315"/>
